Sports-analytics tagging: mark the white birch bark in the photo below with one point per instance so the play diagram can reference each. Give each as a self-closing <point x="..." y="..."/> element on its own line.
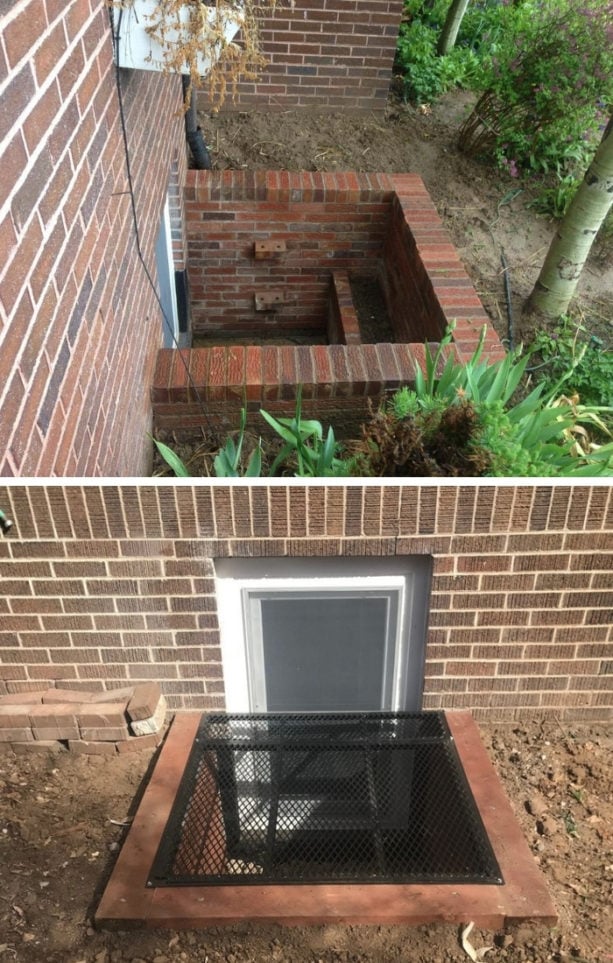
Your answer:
<point x="571" y="245"/>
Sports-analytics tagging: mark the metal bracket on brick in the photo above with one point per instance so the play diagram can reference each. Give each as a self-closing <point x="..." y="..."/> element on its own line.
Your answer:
<point x="271" y="299"/>
<point x="265" y="250"/>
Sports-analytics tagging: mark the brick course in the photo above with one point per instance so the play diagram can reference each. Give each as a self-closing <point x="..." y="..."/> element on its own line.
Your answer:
<point x="79" y="324"/>
<point x="521" y="620"/>
<point x="325" y="54"/>
<point x="321" y="228"/>
<point x="89" y="722"/>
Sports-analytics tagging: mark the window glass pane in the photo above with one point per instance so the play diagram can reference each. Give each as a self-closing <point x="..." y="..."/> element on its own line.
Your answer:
<point x="324" y="654"/>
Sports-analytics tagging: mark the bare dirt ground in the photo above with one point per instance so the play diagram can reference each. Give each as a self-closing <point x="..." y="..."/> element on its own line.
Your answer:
<point x="62" y="818"/>
<point x="485" y="211"/>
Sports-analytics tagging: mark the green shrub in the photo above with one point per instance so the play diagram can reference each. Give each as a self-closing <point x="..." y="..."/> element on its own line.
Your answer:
<point x="548" y="86"/>
<point x="427" y="76"/>
<point x="570" y="347"/>
<point x="484" y="27"/>
<point x="464" y="417"/>
<point x="544" y="69"/>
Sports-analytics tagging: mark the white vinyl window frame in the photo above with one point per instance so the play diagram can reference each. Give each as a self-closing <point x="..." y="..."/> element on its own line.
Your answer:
<point x="166" y="275"/>
<point x="239" y="599"/>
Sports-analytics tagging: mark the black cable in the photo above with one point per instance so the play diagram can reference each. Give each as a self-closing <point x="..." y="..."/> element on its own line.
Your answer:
<point x="116" y="38"/>
<point x="507" y="293"/>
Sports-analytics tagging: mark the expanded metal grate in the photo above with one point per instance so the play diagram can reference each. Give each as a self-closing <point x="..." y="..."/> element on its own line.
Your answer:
<point x="324" y="798"/>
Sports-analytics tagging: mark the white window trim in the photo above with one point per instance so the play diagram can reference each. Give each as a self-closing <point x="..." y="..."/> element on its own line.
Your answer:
<point x="241" y="685"/>
<point x="169" y="268"/>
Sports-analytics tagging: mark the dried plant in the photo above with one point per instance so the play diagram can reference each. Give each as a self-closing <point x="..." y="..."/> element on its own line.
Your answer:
<point x="204" y="33"/>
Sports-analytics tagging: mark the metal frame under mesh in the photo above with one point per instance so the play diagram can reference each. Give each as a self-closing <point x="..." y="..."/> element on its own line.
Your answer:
<point x="295" y="798"/>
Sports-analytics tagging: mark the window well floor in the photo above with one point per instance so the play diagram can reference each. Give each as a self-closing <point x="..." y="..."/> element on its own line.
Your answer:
<point x="324" y="819"/>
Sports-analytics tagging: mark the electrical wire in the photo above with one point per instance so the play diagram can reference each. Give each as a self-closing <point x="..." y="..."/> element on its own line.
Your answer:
<point x="139" y="251"/>
<point x="507" y="294"/>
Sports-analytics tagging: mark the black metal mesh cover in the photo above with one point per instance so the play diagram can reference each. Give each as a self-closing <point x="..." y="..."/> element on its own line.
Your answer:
<point x="324" y="798"/>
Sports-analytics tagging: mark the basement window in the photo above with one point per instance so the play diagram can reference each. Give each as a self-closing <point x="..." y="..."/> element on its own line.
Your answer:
<point x="323" y="634"/>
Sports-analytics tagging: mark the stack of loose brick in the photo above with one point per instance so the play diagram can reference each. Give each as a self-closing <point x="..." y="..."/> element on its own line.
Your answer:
<point x="121" y="720"/>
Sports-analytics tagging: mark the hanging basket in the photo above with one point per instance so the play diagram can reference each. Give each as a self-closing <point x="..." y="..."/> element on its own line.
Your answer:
<point x="145" y="39"/>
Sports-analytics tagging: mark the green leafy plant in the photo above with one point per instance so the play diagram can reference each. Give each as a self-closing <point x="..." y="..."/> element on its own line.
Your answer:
<point x="571" y="347"/>
<point x="470" y="408"/>
<point x="304" y="444"/>
<point x="547" y="87"/>
<point x="556" y="191"/>
<point x="305" y="451"/>
<point x="554" y="201"/>
<point x="172" y="459"/>
<point x="570" y="824"/>
<point x="485" y="27"/>
<point x="426" y="75"/>
<point x="544" y="72"/>
<point x="227" y="462"/>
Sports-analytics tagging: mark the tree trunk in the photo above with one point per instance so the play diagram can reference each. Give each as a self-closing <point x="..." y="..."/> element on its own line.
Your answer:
<point x="574" y="238"/>
<point x="452" y="25"/>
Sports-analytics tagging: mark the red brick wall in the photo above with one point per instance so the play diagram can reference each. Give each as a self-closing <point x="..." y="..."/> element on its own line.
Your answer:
<point x="176" y="200"/>
<point x="99" y="585"/>
<point x="325" y="54"/>
<point x="329" y="224"/>
<point x="79" y="326"/>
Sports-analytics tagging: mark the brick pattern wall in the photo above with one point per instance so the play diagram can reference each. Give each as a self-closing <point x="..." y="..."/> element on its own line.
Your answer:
<point x="326" y="222"/>
<point x="176" y="202"/>
<point x="105" y="586"/>
<point x="325" y="54"/>
<point x="327" y="225"/>
<point x="125" y="719"/>
<point x="425" y="282"/>
<point x="338" y="383"/>
<point x="79" y="326"/>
